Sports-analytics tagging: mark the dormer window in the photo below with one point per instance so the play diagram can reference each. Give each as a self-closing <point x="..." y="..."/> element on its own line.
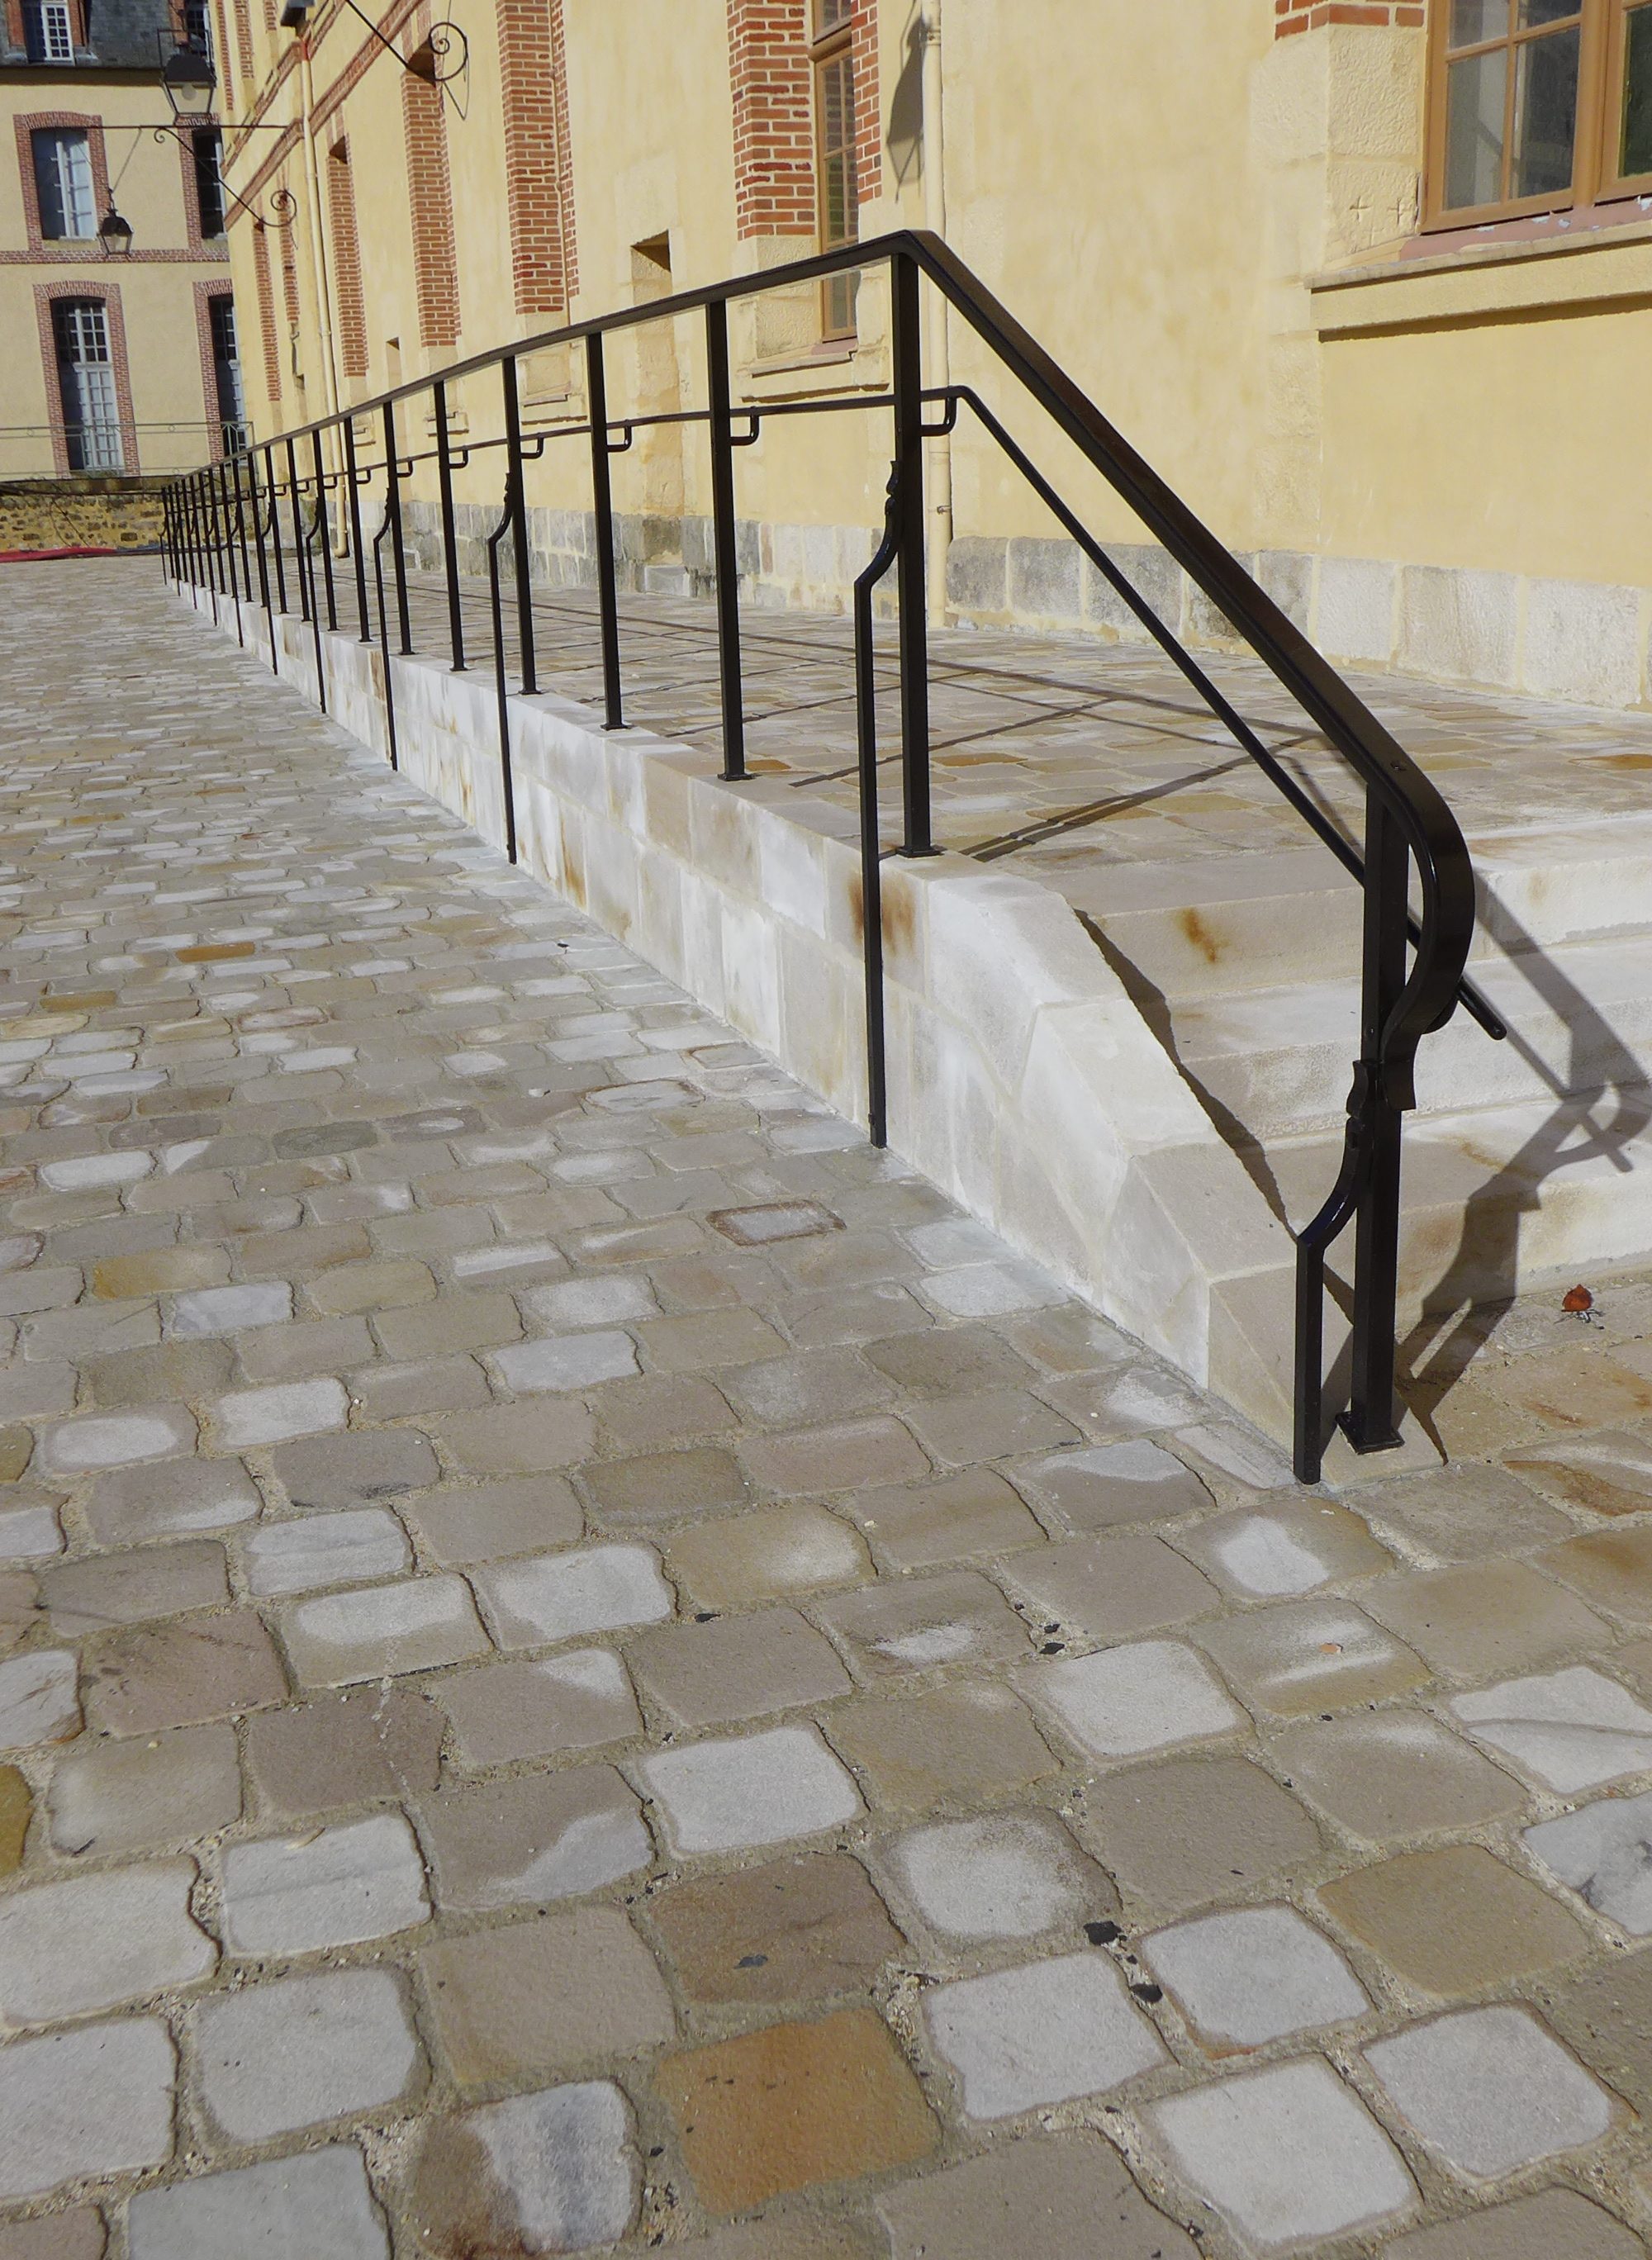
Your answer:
<point x="48" y="32"/>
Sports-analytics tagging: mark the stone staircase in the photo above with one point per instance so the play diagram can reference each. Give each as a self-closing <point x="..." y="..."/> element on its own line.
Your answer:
<point x="1525" y="1158"/>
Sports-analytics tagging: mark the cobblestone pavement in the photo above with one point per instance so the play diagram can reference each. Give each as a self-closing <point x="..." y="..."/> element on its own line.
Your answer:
<point x="589" y="1666"/>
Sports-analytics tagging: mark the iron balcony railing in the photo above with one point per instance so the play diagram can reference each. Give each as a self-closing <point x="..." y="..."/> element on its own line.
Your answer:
<point x="234" y="527"/>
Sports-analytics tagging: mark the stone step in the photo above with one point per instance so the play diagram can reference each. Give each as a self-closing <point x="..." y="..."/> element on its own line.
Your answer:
<point x="1275" y="1062"/>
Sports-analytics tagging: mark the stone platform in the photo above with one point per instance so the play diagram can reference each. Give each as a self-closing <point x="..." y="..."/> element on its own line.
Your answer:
<point x="589" y="1666"/>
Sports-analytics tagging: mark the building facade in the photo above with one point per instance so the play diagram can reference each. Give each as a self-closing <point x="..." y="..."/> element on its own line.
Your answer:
<point x="117" y="350"/>
<point x="1370" y="282"/>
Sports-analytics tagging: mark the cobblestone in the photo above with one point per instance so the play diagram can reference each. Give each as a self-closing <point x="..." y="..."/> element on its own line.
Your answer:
<point x="913" y="1694"/>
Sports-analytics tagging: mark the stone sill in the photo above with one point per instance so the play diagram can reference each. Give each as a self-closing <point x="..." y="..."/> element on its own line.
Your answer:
<point x="1588" y="268"/>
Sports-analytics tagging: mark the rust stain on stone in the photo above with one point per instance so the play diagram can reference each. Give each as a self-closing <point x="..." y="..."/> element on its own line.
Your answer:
<point x="1208" y="945"/>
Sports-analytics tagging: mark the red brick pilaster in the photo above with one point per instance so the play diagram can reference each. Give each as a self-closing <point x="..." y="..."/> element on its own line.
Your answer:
<point x="773" y="122"/>
<point x="346" y="261"/>
<point x="430" y="199"/>
<point x="267" y="311"/>
<point x="868" y="114"/>
<point x="534" y="87"/>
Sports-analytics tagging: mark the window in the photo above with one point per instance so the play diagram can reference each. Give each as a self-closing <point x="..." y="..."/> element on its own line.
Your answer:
<point x="85" y="380"/>
<point x="834" y="155"/>
<point x="227" y="373"/>
<point x="197" y="26"/>
<point x="206" y="145"/>
<point x="1537" y="105"/>
<point x="48" y="32"/>
<point x="64" y="182"/>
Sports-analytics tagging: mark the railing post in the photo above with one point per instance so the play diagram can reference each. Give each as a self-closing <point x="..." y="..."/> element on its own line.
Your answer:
<point x="724" y="554"/>
<point x="263" y="559"/>
<point x="1370" y="1419"/>
<point x="240" y="527"/>
<point x="602" y="516"/>
<point x="324" y="530"/>
<point x="209" y="531"/>
<point x="908" y="387"/>
<point x="449" y="543"/>
<point x="299" y="561"/>
<point x="518" y="529"/>
<point x="356" y="550"/>
<point x="221" y="481"/>
<point x="394" y="506"/>
<point x="274" y="485"/>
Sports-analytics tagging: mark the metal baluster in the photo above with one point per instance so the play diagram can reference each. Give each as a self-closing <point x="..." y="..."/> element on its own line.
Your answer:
<point x="497" y="609"/>
<point x="220" y="480"/>
<point x="602" y="516"/>
<point x="449" y="540"/>
<point x="519" y="533"/>
<point x="299" y="574"/>
<point x="385" y="633"/>
<point x="357" y="551"/>
<point x="240" y="527"/>
<point x="324" y="531"/>
<point x="208" y="525"/>
<point x="871" y="871"/>
<point x="393" y="519"/>
<point x="1370" y="1422"/>
<point x="725" y="560"/>
<point x="274" y="485"/>
<point x="263" y="560"/>
<point x="907" y="387"/>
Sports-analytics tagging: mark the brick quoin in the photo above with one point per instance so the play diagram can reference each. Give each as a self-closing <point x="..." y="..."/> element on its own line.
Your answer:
<point x="1308" y="15"/>
<point x="774" y="117"/>
<point x="538" y="162"/>
<point x="868" y="116"/>
<point x="266" y="312"/>
<point x="565" y="151"/>
<point x="430" y="196"/>
<point x="346" y="260"/>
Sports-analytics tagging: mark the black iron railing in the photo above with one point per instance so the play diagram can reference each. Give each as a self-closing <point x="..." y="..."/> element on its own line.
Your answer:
<point x="224" y="534"/>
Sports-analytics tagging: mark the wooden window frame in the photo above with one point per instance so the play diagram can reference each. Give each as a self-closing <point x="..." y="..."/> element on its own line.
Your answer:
<point x="1602" y="49"/>
<point x="830" y="48"/>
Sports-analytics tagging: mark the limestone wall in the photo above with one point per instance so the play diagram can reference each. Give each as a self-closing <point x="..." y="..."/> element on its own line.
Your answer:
<point x="85" y="513"/>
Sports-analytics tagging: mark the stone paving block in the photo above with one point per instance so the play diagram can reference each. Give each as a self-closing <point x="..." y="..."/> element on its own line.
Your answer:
<point x="792" y="2233"/>
<point x="339" y="1749"/>
<point x="228" y="1309"/>
<point x="333" y="1886"/>
<point x="792" y="2105"/>
<point x="737" y="1793"/>
<point x="663" y="1486"/>
<point x="30" y="1531"/>
<point x="1044" y="2033"/>
<point x="1267" y="1552"/>
<point x="1604" y="1853"/>
<point x="575" y="1701"/>
<point x="115" y="1439"/>
<point x="17" y="1811"/>
<point x="1492" y="1618"/>
<point x="812" y="1385"/>
<point x="515" y="1440"/>
<point x="552" y="1362"/>
<point x="543" y="1597"/>
<point x="1125" y="1701"/>
<point x="956" y="1617"/>
<point x="984" y="1291"/>
<point x="707" y="1675"/>
<point x="1609" y="1473"/>
<point x="791" y="1931"/>
<point x="1108" y="1588"/>
<point x="1461" y="1513"/>
<point x="1064" y="2198"/>
<point x="481" y="1522"/>
<point x="76" y="2235"/>
<point x="145" y="1677"/>
<point x="1569" y="1729"/>
<point x="970" y="1742"/>
<point x="1572" y="1388"/>
<point x="1453" y="1921"/>
<point x="1308" y="1656"/>
<point x="160" y="1502"/>
<point x="548" y="1996"/>
<point x="1612" y="1569"/>
<point x="553" y="2172"/>
<point x="1252" y="1975"/>
<point x="1393" y="1774"/>
<point x="591" y="1302"/>
<point x="325" y="1549"/>
<point x="1004" y="1875"/>
<point x="158" y="1271"/>
<point x="381" y="1630"/>
<point x="325" y="1473"/>
<point x="250" y="1417"/>
<point x="846" y="1455"/>
<point x="303" y="1349"/>
<point x="911" y="1527"/>
<point x="1284" y="2155"/>
<point x="661" y="1408"/>
<point x="114" y="1589"/>
<point x="186" y="1371"/>
<point x="992" y="1424"/>
<point x="125" y="1797"/>
<point x="93" y="1941"/>
<point x="301" y="2052"/>
<point x="701" y="1338"/>
<point x="736" y="1560"/>
<point x="1490" y="2089"/>
<point x="37" y="1702"/>
<point x="535" y="1836"/>
<point x="94" y="2102"/>
<point x="317" y="2203"/>
<point x="945" y="1359"/>
<point x="1195" y="1829"/>
<point x="1604" y="2011"/>
<point x="1558" y="2225"/>
<point x="1097" y="1487"/>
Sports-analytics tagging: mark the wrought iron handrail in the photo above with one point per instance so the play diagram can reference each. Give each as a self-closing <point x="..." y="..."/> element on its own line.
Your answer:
<point x="1407" y="820"/>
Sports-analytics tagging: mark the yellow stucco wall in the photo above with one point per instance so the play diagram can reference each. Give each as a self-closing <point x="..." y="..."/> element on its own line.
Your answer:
<point x="156" y="284"/>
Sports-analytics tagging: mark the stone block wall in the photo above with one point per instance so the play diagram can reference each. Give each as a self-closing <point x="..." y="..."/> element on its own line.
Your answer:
<point x="86" y="512"/>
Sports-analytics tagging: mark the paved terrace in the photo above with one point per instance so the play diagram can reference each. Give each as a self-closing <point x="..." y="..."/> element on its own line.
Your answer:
<point x="590" y="1667"/>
